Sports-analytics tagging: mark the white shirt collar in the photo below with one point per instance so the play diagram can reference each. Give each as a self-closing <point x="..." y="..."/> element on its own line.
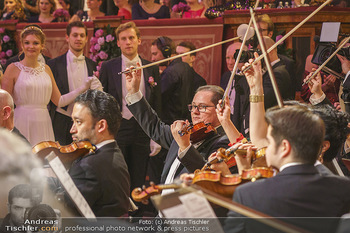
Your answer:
<point x="289" y="165"/>
<point x="275" y="61"/>
<point x="70" y="56"/>
<point x="101" y="144"/>
<point x="135" y="60"/>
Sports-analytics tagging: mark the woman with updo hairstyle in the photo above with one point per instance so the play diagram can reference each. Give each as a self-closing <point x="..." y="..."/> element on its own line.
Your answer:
<point x="13" y="9"/>
<point x="46" y="9"/>
<point x="32" y="86"/>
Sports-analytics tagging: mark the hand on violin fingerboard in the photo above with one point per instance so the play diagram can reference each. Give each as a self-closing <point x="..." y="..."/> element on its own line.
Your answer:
<point x="222" y="167"/>
<point x="224" y="113"/>
<point x="244" y="161"/>
<point x="184" y="140"/>
<point x="133" y="80"/>
<point x="315" y="84"/>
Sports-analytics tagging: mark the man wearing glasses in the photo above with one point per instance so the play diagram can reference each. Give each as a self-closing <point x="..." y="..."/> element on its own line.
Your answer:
<point x="183" y="155"/>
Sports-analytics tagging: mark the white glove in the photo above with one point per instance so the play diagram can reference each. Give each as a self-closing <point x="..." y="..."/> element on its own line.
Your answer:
<point x="96" y="84"/>
<point x="155" y="148"/>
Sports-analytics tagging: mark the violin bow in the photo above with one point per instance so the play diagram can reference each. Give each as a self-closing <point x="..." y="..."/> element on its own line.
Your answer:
<point x="325" y="63"/>
<point x="235" y="67"/>
<point x="288" y="34"/>
<point x="267" y="60"/>
<point x="177" y="56"/>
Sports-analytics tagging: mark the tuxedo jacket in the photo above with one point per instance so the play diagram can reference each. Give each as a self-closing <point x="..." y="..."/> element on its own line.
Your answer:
<point x="103" y="179"/>
<point x="240" y="116"/>
<point x="297" y="191"/>
<point x="177" y="91"/>
<point x="198" y="80"/>
<point x="58" y="67"/>
<point x="112" y="82"/>
<point x="283" y="83"/>
<point x="17" y="132"/>
<point x="161" y="133"/>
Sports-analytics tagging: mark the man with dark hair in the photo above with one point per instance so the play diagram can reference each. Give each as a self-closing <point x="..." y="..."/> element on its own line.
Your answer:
<point x="101" y="177"/>
<point x="294" y="139"/>
<point x="177" y="81"/>
<point x="134" y="143"/>
<point x="70" y="71"/>
<point x="184" y="47"/>
<point x="19" y="201"/>
<point x="291" y="193"/>
<point x="183" y="155"/>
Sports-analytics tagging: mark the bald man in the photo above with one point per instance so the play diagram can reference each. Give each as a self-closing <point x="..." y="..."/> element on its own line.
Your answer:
<point x="238" y="91"/>
<point x="7" y="113"/>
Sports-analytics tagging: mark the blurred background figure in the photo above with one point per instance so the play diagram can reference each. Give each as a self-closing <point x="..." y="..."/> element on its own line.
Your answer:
<point x="13" y="9"/>
<point x="124" y="8"/>
<point x="46" y="9"/>
<point x="148" y="9"/>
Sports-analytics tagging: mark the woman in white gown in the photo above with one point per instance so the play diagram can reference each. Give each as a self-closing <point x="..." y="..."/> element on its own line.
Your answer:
<point x="32" y="86"/>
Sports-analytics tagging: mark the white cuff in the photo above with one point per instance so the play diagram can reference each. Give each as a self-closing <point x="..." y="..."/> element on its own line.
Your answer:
<point x="315" y="101"/>
<point x="133" y="98"/>
<point x="182" y="154"/>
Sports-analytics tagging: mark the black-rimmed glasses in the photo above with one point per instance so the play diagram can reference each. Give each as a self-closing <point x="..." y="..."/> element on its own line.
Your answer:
<point x="200" y="108"/>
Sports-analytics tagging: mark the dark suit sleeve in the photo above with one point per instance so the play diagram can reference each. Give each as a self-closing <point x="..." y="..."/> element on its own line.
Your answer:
<point x="104" y="77"/>
<point x="234" y="222"/>
<point x="156" y="93"/>
<point x="149" y="121"/>
<point x="283" y="83"/>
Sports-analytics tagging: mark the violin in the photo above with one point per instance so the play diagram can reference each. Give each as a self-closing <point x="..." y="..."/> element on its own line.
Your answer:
<point x="211" y="180"/>
<point x="67" y="154"/>
<point x="227" y="156"/>
<point x="141" y="195"/>
<point x="198" y="132"/>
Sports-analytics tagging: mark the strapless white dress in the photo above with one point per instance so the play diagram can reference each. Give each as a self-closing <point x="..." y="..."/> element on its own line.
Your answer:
<point x="32" y="94"/>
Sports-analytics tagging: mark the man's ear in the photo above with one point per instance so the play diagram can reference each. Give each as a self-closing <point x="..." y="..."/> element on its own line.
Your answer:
<point x="7" y="112"/>
<point x="325" y="146"/>
<point x="285" y="148"/>
<point x="270" y="34"/>
<point x="193" y="58"/>
<point x="102" y="125"/>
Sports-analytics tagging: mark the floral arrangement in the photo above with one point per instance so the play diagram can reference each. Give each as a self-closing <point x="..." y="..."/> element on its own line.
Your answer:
<point x="61" y="15"/>
<point x="181" y="8"/>
<point x="103" y="47"/>
<point x="8" y="45"/>
<point x="151" y="81"/>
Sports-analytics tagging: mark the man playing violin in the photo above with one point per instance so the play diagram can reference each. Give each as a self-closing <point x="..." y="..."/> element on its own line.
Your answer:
<point x="102" y="177"/>
<point x="183" y="156"/>
<point x="298" y="190"/>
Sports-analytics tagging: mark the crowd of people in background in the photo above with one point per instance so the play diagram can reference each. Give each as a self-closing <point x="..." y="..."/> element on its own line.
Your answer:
<point x="43" y="10"/>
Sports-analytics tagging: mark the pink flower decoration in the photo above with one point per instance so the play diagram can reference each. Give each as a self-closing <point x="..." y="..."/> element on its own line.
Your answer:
<point x="278" y="38"/>
<point x="97" y="73"/>
<point x="101" y="40"/>
<point x="93" y="40"/>
<point x="151" y="81"/>
<point x="6" y="39"/>
<point x="103" y="55"/>
<point x="97" y="47"/>
<point x="99" y="33"/>
<point x="2" y="54"/>
<point x="2" y="30"/>
<point x="109" y="38"/>
<point x="9" y="53"/>
<point x="3" y="61"/>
